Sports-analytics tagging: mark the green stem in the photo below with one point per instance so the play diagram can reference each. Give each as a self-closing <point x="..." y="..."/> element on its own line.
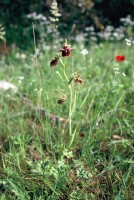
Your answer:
<point x="70" y="111"/>
<point x="64" y="70"/>
<point x="71" y="135"/>
<point x="58" y="73"/>
<point x="71" y="139"/>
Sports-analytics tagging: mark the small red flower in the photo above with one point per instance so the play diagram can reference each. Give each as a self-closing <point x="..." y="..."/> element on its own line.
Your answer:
<point x="65" y="51"/>
<point x="119" y="58"/>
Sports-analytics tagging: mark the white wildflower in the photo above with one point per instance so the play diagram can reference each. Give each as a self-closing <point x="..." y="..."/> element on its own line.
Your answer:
<point x="129" y="42"/>
<point x="115" y="83"/>
<point x="116" y="70"/>
<point x="61" y="163"/>
<point x="84" y="52"/>
<point x="21" y="77"/>
<point x="68" y="154"/>
<point x="23" y="56"/>
<point x="124" y="74"/>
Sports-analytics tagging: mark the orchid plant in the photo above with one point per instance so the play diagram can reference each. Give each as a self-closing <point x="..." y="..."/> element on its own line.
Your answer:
<point x="65" y="51"/>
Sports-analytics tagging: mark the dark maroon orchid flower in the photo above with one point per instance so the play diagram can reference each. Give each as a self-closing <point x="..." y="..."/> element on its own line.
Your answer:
<point x="55" y="61"/>
<point x="65" y="51"/>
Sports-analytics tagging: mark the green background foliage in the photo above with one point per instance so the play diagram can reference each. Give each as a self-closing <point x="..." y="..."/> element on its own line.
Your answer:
<point x="36" y="161"/>
<point x="77" y="13"/>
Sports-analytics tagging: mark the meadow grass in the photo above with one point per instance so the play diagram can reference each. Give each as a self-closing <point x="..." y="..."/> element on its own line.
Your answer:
<point x="35" y="162"/>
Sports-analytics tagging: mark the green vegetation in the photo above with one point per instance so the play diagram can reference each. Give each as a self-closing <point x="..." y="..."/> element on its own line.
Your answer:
<point x="35" y="161"/>
<point x="76" y="16"/>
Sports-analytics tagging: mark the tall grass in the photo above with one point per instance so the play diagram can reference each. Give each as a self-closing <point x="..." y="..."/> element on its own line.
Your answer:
<point x="35" y="163"/>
